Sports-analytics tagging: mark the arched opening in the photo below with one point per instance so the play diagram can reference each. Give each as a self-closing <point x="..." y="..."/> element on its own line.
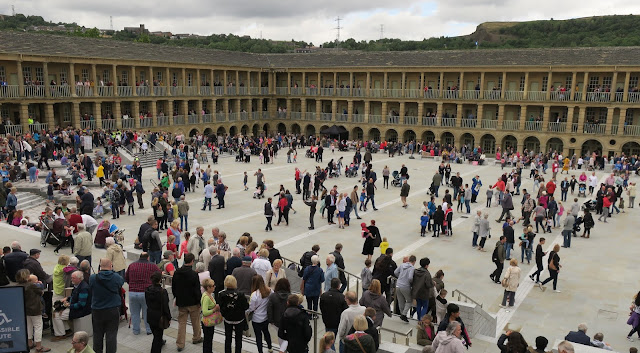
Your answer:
<point x="207" y="131"/>
<point x="447" y="139"/>
<point x="509" y="142"/>
<point x="310" y="130"/>
<point x="409" y="135"/>
<point x="266" y="128"/>
<point x="323" y="127"/>
<point x="282" y="129"/>
<point x="357" y="133"/>
<point x="391" y="135"/>
<point x="193" y="132"/>
<point x="374" y="134"/>
<point x="255" y="129"/>
<point x="295" y="129"/>
<point x="631" y="149"/>
<point x="488" y="144"/>
<point x="221" y="131"/>
<point x="428" y="136"/>
<point x="532" y="143"/>
<point x="468" y="139"/>
<point x="555" y="144"/>
<point x="591" y="146"/>
<point x="233" y="131"/>
<point x="244" y="130"/>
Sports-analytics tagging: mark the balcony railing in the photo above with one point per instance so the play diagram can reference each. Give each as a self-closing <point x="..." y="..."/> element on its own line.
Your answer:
<point x="162" y="120"/>
<point x="296" y="115"/>
<point x="256" y="115"/>
<point x="492" y="94"/>
<point x="282" y="115"/>
<point x="325" y="116"/>
<point x="450" y="94"/>
<point x="577" y="96"/>
<point x="619" y="96"/>
<point x="264" y="91"/>
<point x="594" y="128"/>
<point x="125" y="91"/>
<point x="296" y="91"/>
<point x="129" y="123"/>
<point x="511" y="125"/>
<point x="106" y="91"/>
<point x="233" y="116"/>
<point x="311" y="91"/>
<point x="281" y="91"/>
<point x="376" y="93"/>
<point x="205" y="90"/>
<point x="358" y="92"/>
<point x="326" y="91"/>
<point x="207" y="118"/>
<point x="147" y="121"/>
<point x="59" y="91"/>
<point x="265" y="114"/>
<point x="533" y="125"/>
<point x="190" y="90"/>
<point x="218" y="90"/>
<point x="159" y="90"/>
<point x="13" y="129"/>
<point x="309" y="116"/>
<point x="392" y="119"/>
<point x="431" y="94"/>
<point x="343" y="92"/>
<point x="220" y="117"/>
<point x="560" y="96"/>
<point x="193" y="119"/>
<point x="536" y="95"/>
<point x="142" y="91"/>
<point x="449" y="122"/>
<point x="9" y="92"/>
<point x="244" y="116"/>
<point x="574" y="127"/>
<point x="357" y="118"/>
<point x="82" y="91"/>
<point x="178" y="120"/>
<point x="412" y="93"/>
<point x="598" y="96"/>
<point x="469" y="123"/>
<point x="634" y="97"/>
<point x="557" y="127"/>
<point x="88" y="124"/>
<point x="513" y="95"/>
<point x="38" y="127"/>
<point x="394" y="93"/>
<point x="34" y="91"/>
<point x="243" y="91"/>
<point x="470" y="94"/>
<point x="489" y="124"/>
<point x="411" y="120"/>
<point x="108" y="124"/>
<point x="632" y="130"/>
<point x="342" y="117"/>
<point x="375" y="119"/>
<point x="176" y="90"/>
<point x="254" y="91"/>
<point x="429" y="121"/>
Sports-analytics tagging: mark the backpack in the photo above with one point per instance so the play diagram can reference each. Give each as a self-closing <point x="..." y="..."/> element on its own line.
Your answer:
<point x="305" y="261"/>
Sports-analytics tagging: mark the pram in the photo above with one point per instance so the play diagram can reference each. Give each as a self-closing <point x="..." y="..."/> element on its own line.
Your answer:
<point x="432" y="189"/>
<point x="47" y="235"/>
<point x="576" y="225"/>
<point x="309" y="154"/>
<point x="582" y="190"/>
<point x="396" y="179"/>
<point x="57" y="232"/>
<point x="351" y="172"/>
<point x="589" y="206"/>
<point x="259" y="193"/>
<point x="334" y="172"/>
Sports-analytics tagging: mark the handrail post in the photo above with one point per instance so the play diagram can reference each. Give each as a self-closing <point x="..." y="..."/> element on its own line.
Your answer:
<point x="315" y="334"/>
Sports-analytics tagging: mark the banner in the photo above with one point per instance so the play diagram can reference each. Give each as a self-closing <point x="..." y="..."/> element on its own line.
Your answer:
<point x="13" y="320"/>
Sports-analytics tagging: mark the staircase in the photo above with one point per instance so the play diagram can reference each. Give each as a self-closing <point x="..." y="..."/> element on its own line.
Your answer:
<point x="27" y="200"/>
<point x="147" y="160"/>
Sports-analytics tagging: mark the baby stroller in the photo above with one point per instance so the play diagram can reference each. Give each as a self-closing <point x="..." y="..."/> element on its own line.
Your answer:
<point x="576" y="225"/>
<point x="57" y="233"/>
<point x="334" y="172"/>
<point x="589" y="206"/>
<point x="47" y="235"/>
<point x="396" y="179"/>
<point x="309" y="154"/>
<point x="432" y="189"/>
<point x="351" y="172"/>
<point x="582" y="190"/>
<point x="259" y="193"/>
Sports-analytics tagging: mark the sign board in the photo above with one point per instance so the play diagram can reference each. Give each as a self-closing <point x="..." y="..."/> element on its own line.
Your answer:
<point x="88" y="142"/>
<point x="13" y="320"/>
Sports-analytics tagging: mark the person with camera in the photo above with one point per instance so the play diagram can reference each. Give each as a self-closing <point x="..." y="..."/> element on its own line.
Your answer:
<point x="73" y="307"/>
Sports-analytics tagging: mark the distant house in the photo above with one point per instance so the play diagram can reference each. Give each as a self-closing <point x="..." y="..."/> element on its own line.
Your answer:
<point x="137" y="30"/>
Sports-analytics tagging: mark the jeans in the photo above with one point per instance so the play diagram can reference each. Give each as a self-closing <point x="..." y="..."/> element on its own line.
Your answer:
<point x="268" y="226"/>
<point x="207" y="344"/>
<point x="508" y="295"/>
<point x="136" y="304"/>
<point x="155" y="256"/>
<point x="525" y="250"/>
<point x="509" y="247"/>
<point x="467" y="203"/>
<point x="563" y="195"/>
<point x="474" y="242"/>
<point x="184" y="219"/>
<point x="260" y="328"/>
<point x="105" y="322"/>
<point x="229" y="330"/>
<point x="207" y="201"/>
<point x="553" y="275"/>
<point x="404" y="299"/>
<point x="422" y="306"/>
<point x="605" y="214"/>
<point x="373" y="202"/>
<point x="566" y="234"/>
<point x="538" y="272"/>
<point x="498" y="272"/>
<point x="435" y="189"/>
<point x="312" y="303"/>
<point x="355" y="208"/>
<point x="156" y="344"/>
<point x="159" y="173"/>
<point x="455" y="192"/>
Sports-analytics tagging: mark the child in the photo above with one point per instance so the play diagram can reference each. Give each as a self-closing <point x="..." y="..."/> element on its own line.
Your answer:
<point x="130" y="210"/>
<point x="171" y="246"/>
<point x="384" y="245"/>
<point x="363" y="196"/>
<point x="295" y="157"/>
<point x="441" y="305"/>
<point x="65" y="209"/>
<point x="50" y="193"/>
<point x="424" y="220"/>
<point x="489" y="195"/>
<point x="447" y="224"/>
<point x="621" y="205"/>
<point x="244" y="181"/>
<point x="366" y="275"/>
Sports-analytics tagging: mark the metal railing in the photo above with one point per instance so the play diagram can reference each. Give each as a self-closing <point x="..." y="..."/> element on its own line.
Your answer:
<point x="162" y="120"/>
<point x="466" y="298"/>
<point x="38" y="127"/>
<point x="59" y="91"/>
<point x="589" y="128"/>
<point x="411" y="120"/>
<point x="492" y="94"/>
<point x="265" y="114"/>
<point x="357" y="118"/>
<point x="450" y="94"/>
<point x="129" y="123"/>
<point x="533" y="125"/>
<point x="243" y="91"/>
<point x="348" y="275"/>
<point x="205" y="90"/>
<point x="513" y="95"/>
<point x="469" y="123"/>
<point x="358" y="92"/>
<point x="631" y="130"/>
<point x="82" y="91"/>
<point x="406" y="333"/>
<point x="560" y="96"/>
<point x="574" y="127"/>
<point x="489" y="124"/>
<point x="256" y="115"/>
<point x="343" y="92"/>
<point x="34" y="91"/>
<point x="296" y="115"/>
<point x="614" y="129"/>
<point x="394" y="93"/>
<point x="598" y="96"/>
<point x="178" y="120"/>
<point x="557" y="127"/>
<point x="218" y="90"/>
<point x="254" y="91"/>
<point x="281" y="90"/>
<point x="207" y="118"/>
<point x="577" y="96"/>
<point x="376" y="93"/>
<point x="619" y="96"/>
<point x="342" y="117"/>
<point x="13" y="130"/>
<point x="142" y="91"/>
<point x="325" y="116"/>
<point x="633" y="97"/>
<point x="264" y="91"/>
<point x="429" y="120"/>
<point x="412" y="93"/>
<point x="176" y="90"/>
<point x="88" y="124"/>
<point x="309" y="116"/>
<point x="10" y="91"/>
<point x="105" y="91"/>
<point x="282" y="115"/>
<point x="193" y="119"/>
<point x="536" y="95"/>
<point x="220" y="117"/>
<point x="431" y="94"/>
<point x="326" y="91"/>
<point x="146" y="121"/>
<point x="311" y="91"/>
<point x="233" y="116"/>
<point x="449" y="122"/>
<point x="375" y="119"/>
<point x="470" y="94"/>
<point x="231" y="90"/>
<point x="244" y="116"/>
<point x="108" y="124"/>
<point x="511" y="125"/>
<point x="393" y="119"/>
<point x="125" y="91"/>
<point x="160" y="90"/>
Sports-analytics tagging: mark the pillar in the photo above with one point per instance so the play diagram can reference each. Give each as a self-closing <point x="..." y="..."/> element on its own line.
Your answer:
<point x="45" y="73"/>
<point x="351" y="84"/>
<point x="367" y="108"/>
<point x="581" y="116"/>
<point x="626" y="87"/>
<point x="461" y="86"/>
<point x="304" y="83"/>
<point x="546" y="115"/>
<point x="549" y="84"/>
<point x="422" y="83"/>
<point x="441" y="94"/>
<point x="318" y="109"/>
<point x="420" y="111"/>
<point x="21" y="79"/>
<point x="237" y="81"/>
<point x="504" y="85"/>
<point x="150" y="81"/>
<point x="198" y="82"/>
<point x="335" y="83"/>
<point x="71" y="81"/>
<point x="114" y="68"/>
<point x="117" y="114"/>
<point x="574" y="84"/>
<point x="500" y="115"/>
<point x="404" y="77"/>
<point x="133" y="81"/>
<point x="480" y="115"/>
<point x="49" y="117"/>
<point x="170" y="111"/>
<point x="402" y="112"/>
<point x="523" y="116"/>
<point x="384" y="85"/>
<point x="350" y="110"/>
<point x="75" y="114"/>
<point x="154" y="114"/>
<point x="303" y="109"/>
<point x="289" y="107"/>
<point x="526" y="86"/>
<point x="440" y="111"/>
<point x="385" y="112"/>
<point x="167" y="81"/>
<point x="94" y="78"/>
<point x="607" y="127"/>
<point x="334" y="106"/>
<point x="288" y="88"/>
<point x="585" y="84"/>
<point x="614" y="83"/>
<point x="368" y="87"/>
<point x="211" y="77"/>
<point x="481" y="96"/>
<point x="97" y="114"/>
<point x="623" y="115"/>
<point x="459" y="114"/>
<point x="247" y="84"/>
<point x="135" y="112"/>
<point x="319" y="82"/>
<point x="199" y="109"/>
<point x="24" y="116"/>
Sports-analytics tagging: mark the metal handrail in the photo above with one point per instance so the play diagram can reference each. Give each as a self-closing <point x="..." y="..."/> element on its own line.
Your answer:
<point x="466" y="297"/>
<point x="347" y="273"/>
<point x="407" y="334"/>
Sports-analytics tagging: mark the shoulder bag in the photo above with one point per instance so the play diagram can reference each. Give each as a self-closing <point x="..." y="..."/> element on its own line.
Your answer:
<point x="213" y="319"/>
<point x="164" y="322"/>
<point x="359" y="344"/>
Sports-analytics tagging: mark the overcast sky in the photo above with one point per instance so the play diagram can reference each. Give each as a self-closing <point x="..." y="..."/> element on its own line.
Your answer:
<point x="314" y="21"/>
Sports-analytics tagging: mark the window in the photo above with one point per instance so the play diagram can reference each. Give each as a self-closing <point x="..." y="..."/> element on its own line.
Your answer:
<point x="628" y="118"/>
<point x="66" y="113"/>
<point x="26" y="73"/>
<point x="593" y="83"/>
<point x="143" y="76"/>
<point x="85" y="75"/>
<point x="144" y="107"/>
<point x="174" y="80"/>
<point x="189" y="79"/>
<point x="500" y="82"/>
<point x="203" y="79"/>
<point x="3" y="74"/>
<point x="606" y="81"/>
<point x="190" y="105"/>
<point x="545" y="83"/>
<point x="522" y="83"/>
<point x="4" y="113"/>
<point x="124" y="78"/>
<point x="63" y="75"/>
<point x="159" y="76"/>
<point x="176" y="107"/>
<point x="40" y="75"/>
<point x="32" y="111"/>
<point x="568" y="82"/>
<point x="107" y="108"/>
<point x="633" y="81"/>
<point x="106" y="76"/>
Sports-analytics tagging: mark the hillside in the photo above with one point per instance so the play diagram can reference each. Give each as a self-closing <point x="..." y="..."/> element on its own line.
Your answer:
<point x="581" y="32"/>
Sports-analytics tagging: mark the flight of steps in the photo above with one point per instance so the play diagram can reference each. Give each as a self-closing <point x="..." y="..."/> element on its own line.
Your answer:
<point x="147" y="160"/>
<point x="27" y="200"/>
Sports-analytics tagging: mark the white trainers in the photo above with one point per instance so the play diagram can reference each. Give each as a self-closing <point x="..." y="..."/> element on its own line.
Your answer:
<point x="630" y="339"/>
<point x="557" y="291"/>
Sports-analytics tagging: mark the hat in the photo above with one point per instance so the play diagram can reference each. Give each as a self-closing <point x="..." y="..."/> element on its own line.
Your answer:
<point x="34" y="251"/>
<point x="246" y="259"/>
<point x="167" y="253"/>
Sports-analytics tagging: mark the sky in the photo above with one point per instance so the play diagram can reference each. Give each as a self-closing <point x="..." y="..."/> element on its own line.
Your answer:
<point x="314" y="21"/>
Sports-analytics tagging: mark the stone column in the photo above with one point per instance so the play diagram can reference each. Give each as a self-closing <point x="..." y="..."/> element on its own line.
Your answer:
<point x="581" y="116"/>
<point x="422" y="84"/>
<point x="303" y="109"/>
<point x="367" y="110"/>
<point x="335" y="83"/>
<point x="441" y="91"/>
<point x="461" y="86"/>
<point x="549" y="84"/>
<point x="150" y="80"/>
<point x="97" y="114"/>
<point x="614" y="83"/>
<point x="237" y="81"/>
<point x="351" y="84"/>
<point x="404" y="77"/>
<point x="574" y="84"/>
<point x="45" y="73"/>
<point x="368" y="88"/>
<point x="420" y="112"/>
<point x="479" y="116"/>
<point x="117" y="114"/>
<point x="198" y="83"/>
<point x="318" y="110"/>
<point x="114" y="68"/>
<point x="24" y="117"/>
<point x="167" y="81"/>
<point x="304" y="83"/>
<point x="94" y="78"/>
<point x="289" y="108"/>
<point x="199" y="110"/>
<point x="459" y="114"/>
<point x="585" y="84"/>
<point x="482" y="85"/>
<point x="523" y="117"/>
<point x="607" y="127"/>
<point x="49" y="116"/>
<point x="154" y="114"/>
<point x="75" y="114"/>
<point x="132" y="82"/>
<point x="183" y="80"/>
<point x="402" y="113"/>
<point x="170" y="111"/>
<point x="319" y="82"/>
<point x="384" y="85"/>
<point x="21" y="80"/>
<point x="504" y="85"/>
<point x="71" y="81"/>
<point x="288" y="87"/>
<point x="439" y="113"/>
<point x="135" y="113"/>
<point x="334" y="107"/>
<point x="350" y="110"/>
<point x="627" y="78"/>
<point x="500" y="115"/>
<point x="621" y="119"/>
<point x="526" y="85"/>
<point x="385" y="112"/>
<point x="546" y="115"/>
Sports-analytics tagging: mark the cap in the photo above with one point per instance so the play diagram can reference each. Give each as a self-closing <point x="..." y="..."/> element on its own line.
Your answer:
<point x="246" y="259"/>
<point x="34" y="251"/>
<point x="167" y="253"/>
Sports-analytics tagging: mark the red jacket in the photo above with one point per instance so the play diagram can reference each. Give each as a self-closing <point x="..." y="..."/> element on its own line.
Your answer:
<point x="282" y="203"/>
<point x="606" y="203"/>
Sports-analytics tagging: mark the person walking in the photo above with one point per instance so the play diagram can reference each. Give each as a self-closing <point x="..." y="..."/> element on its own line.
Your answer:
<point x="185" y="287"/>
<point x="332" y="304"/>
<point x="355" y="199"/>
<point x="539" y="255"/>
<point x="512" y="280"/>
<point x="183" y="212"/>
<point x="422" y="287"/>
<point x="567" y="231"/>
<point x="158" y="313"/>
<point x="554" y="268"/>
<point x="404" y="193"/>
<point x="269" y="211"/>
<point x="484" y="231"/>
<point x="404" y="273"/>
<point x="507" y="206"/>
<point x="138" y="275"/>
<point x="232" y="307"/>
<point x="105" y="287"/>
<point x="498" y="257"/>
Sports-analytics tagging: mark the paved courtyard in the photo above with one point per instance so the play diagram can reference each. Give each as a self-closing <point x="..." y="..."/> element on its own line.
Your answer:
<point x="598" y="278"/>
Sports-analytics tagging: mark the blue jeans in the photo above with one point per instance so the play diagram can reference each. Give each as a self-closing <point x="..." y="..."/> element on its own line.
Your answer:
<point x="422" y="306"/>
<point x="566" y="234"/>
<point x="468" y="204"/>
<point x="207" y="201"/>
<point x="525" y="250"/>
<point x="137" y="303"/>
<point x="455" y="193"/>
<point x="509" y="247"/>
<point x="186" y="223"/>
<point x="474" y="242"/>
<point x="563" y="195"/>
<point x="159" y="173"/>
<point x="373" y="201"/>
<point x="355" y="209"/>
<point x="435" y="190"/>
<point x="155" y="256"/>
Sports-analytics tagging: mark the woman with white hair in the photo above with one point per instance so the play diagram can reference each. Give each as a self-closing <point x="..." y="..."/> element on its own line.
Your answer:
<point x="203" y="273"/>
<point x="484" y="230"/>
<point x="449" y="341"/>
<point x="116" y="255"/>
<point x="311" y="285"/>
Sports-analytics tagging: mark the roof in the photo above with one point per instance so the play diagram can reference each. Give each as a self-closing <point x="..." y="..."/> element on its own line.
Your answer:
<point x="69" y="46"/>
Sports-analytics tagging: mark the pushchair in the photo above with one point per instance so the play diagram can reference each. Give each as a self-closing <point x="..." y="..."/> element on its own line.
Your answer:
<point x="351" y="171"/>
<point x="334" y="173"/>
<point x="57" y="233"/>
<point x="396" y="179"/>
<point x="47" y="235"/>
<point x="582" y="190"/>
<point x="589" y="206"/>
<point x="576" y="225"/>
<point x="309" y="154"/>
<point x="259" y="193"/>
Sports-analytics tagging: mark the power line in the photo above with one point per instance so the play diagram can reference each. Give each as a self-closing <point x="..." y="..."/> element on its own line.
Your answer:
<point x="338" y="28"/>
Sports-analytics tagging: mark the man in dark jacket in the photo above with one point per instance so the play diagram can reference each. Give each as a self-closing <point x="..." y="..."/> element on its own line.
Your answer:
<point x="234" y="261"/>
<point x="105" y="287"/>
<point x="507" y="206"/>
<point x="186" y="289"/>
<point x="14" y="261"/>
<point x="305" y="260"/>
<point x="80" y="299"/>
<point x="244" y="275"/>
<point x="384" y="267"/>
<point x="33" y="265"/>
<point x="422" y="287"/>
<point x="144" y="227"/>
<point x="498" y="257"/>
<point x="507" y="231"/>
<point x="340" y="263"/>
<point x="216" y="270"/>
<point x="370" y="315"/>
<point x="274" y="253"/>
<point x="579" y="336"/>
<point x="332" y="304"/>
<point x="295" y="327"/>
<point x="86" y="204"/>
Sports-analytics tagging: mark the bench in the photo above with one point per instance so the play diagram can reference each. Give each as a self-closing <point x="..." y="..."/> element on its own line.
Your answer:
<point x="425" y="154"/>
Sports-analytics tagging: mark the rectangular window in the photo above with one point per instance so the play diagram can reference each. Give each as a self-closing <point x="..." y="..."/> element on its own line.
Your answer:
<point x="203" y="79"/>
<point x="108" y="108"/>
<point x="545" y="83"/>
<point x="159" y="76"/>
<point x="106" y="76"/>
<point x="63" y="75"/>
<point x="633" y="81"/>
<point x="4" y="113"/>
<point x="628" y="118"/>
<point x="66" y="113"/>
<point x="26" y="73"/>
<point x="85" y="75"/>
<point x="176" y="107"/>
<point x="40" y="75"/>
<point x="593" y="83"/>
<point x="500" y="82"/>
<point x="522" y="83"/>
<point x="3" y="74"/>
<point x="124" y="78"/>
<point x="606" y="81"/>
<point x="144" y="107"/>
<point x="189" y="79"/>
<point x="175" y="79"/>
<point x="568" y="82"/>
<point x="143" y="76"/>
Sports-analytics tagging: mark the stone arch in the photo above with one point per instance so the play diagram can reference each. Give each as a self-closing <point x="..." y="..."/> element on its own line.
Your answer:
<point x="447" y="138"/>
<point x="631" y="148"/>
<point x="555" y="144"/>
<point x="590" y="146"/>
<point x="391" y="135"/>
<point x="468" y="139"/>
<point x="488" y="144"/>
<point x="508" y="142"/>
<point x="532" y="143"/>
<point x="310" y="130"/>
<point x="357" y="133"/>
<point x="409" y="135"/>
<point x="256" y="130"/>
<point x="233" y="131"/>
<point x="295" y="129"/>
<point x="244" y="130"/>
<point x="282" y="128"/>
<point x="221" y="131"/>
<point x="193" y="132"/>
<point x="428" y="136"/>
<point x="323" y="127"/>
<point x="208" y="131"/>
<point x="374" y="134"/>
<point x="266" y="128"/>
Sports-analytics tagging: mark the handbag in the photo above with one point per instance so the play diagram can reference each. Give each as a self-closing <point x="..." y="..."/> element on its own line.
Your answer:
<point x="552" y="265"/>
<point x="213" y="319"/>
<point x="359" y="344"/>
<point x="164" y="321"/>
<point x="505" y="282"/>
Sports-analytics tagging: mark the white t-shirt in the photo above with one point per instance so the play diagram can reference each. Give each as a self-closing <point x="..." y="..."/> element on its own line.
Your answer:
<point x="89" y="221"/>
